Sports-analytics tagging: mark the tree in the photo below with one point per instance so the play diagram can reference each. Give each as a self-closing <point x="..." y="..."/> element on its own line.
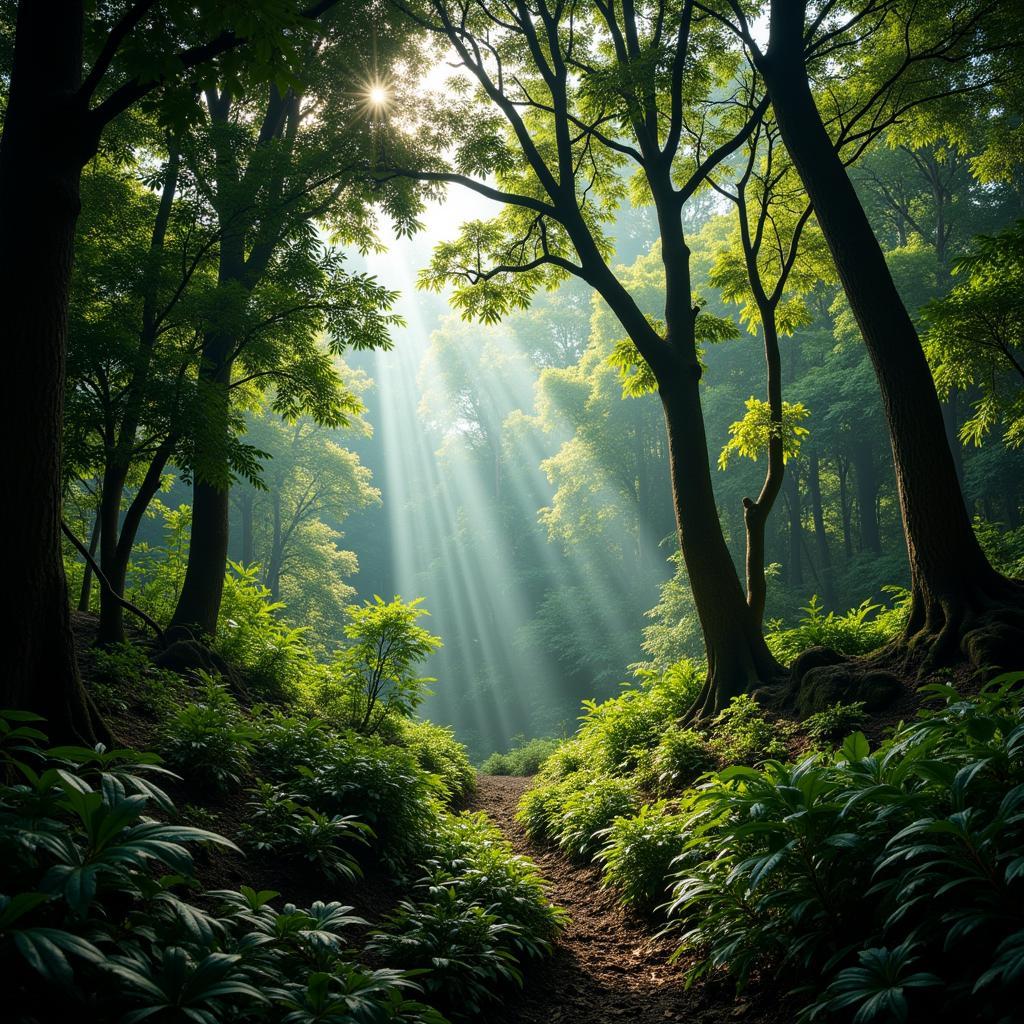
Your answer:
<point x="568" y="95"/>
<point x="765" y="272"/>
<point x="276" y="165"/>
<point x="290" y="525"/>
<point x="376" y="669"/>
<point x="143" y="267"/>
<point x="975" y="336"/>
<point x="56" y="112"/>
<point x="958" y="599"/>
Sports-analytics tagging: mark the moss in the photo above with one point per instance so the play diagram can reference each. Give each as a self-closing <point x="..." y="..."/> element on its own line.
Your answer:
<point x="822" y="687"/>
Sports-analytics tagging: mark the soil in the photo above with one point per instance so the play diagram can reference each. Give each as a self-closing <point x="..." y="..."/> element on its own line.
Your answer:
<point x="609" y="965"/>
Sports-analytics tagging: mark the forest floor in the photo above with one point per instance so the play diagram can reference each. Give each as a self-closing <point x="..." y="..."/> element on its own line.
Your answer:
<point x="609" y="966"/>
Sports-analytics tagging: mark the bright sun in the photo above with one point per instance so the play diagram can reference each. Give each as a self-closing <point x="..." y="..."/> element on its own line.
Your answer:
<point x="378" y="95"/>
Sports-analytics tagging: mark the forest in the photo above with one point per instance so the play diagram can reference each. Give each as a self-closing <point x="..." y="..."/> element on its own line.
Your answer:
<point x="517" y="511"/>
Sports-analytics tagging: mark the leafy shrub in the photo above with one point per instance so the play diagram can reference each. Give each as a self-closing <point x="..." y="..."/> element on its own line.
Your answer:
<point x="524" y="757"/>
<point x="373" y="679"/>
<point x="617" y="730"/>
<point x="464" y="950"/>
<point x="379" y="784"/>
<point x="209" y="742"/>
<point x="568" y="757"/>
<point x="469" y="854"/>
<point x="858" y="631"/>
<point x="741" y="734"/>
<point x="872" y="873"/>
<point x="279" y="823"/>
<point x="96" y="931"/>
<point x="438" y="751"/>
<point x="836" y="721"/>
<point x="638" y="853"/>
<point x="252" y="634"/>
<point x="586" y="811"/>
<point x="124" y="679"/>
<point x="282" y="743"/>
<point x="681" y="756"/>
<point x="254" y="638"/>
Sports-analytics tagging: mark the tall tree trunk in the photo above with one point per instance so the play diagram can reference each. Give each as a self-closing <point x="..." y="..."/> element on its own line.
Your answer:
<point x="756" y="512"/>
<point x="820" y="536"/>
<point x="85" y="594"/>
<point x="115" y="566"/>
<point x="42" y="150"/>
<point x="201" y="591"/>
<point x="116" y="541"/>
<point x="955" y="590"/>
<point x="865" y="479"/>
<point x="273" y="568"/>
<point x="951" y="421"/>
<point x="738" y="658"/>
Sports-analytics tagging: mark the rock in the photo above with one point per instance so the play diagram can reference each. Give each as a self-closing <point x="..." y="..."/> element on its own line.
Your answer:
<point x="814" y="657"/>
<point x="831" y="684"/>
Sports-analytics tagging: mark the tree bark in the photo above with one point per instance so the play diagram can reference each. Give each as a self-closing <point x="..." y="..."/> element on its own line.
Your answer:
<point x="199" y="601"/>
<point x="738" y="658"/>
<point x="115" y="567"/>
<point x="954" y="588"/>
<point x="44" y="146"/>
<point x="85" y="594"/>
<point x="245" y="512"/>
<point x="756" y="512"/>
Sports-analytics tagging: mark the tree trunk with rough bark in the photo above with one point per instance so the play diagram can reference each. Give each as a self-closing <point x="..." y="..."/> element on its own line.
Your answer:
<point x="959" y="601"/>
<point x="85" y="594"/>
<point x="44" y="146"/>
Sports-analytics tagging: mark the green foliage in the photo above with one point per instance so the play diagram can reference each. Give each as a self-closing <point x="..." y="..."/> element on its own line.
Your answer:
<point x="254" y="638"/>
<point x="524" y="757"/>
<point x="870" y="876"/>
<point x="209" y="741"/>
<point x="377" y="783"/>
<point x="469" y="855"/>
<point x="835" y="722"/>
<point x="858" y="631"/>
<point x="283" y="743"/>
<point x="975" y="336"/>
<point x="463" y="950"/>
<point x="438" y="752"/>
<point x="680" y="756"/>
<point x="749" y="436"/>
<point x="638" y="853"/>
<point x="617" y="730"/>
<point x="95" y="926"/>
<point x="374" y="674"/>
<point x="252" y="634"/>
<point x="740" y="734"/>
<point x="572" y="811"/>
<point x="124" y="680"/>
<point x="279" y="823"/>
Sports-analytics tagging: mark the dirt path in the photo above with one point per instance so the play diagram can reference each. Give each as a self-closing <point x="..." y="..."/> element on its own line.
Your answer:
<point x="607" y="967"/>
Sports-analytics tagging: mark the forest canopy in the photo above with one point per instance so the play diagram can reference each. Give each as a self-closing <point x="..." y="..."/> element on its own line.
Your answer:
<point x="630" y="391"/>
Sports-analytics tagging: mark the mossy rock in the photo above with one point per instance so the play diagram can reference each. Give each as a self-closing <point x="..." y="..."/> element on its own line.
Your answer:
<point x="814" y="657"/>
<point x="995" y="646"/>
<point x="826" y="685"/>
